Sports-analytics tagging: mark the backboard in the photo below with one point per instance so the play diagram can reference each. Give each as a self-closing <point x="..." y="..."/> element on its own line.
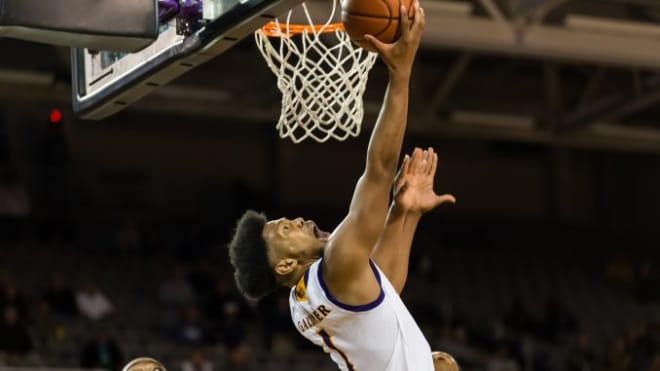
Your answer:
<point x="105" y="82"/>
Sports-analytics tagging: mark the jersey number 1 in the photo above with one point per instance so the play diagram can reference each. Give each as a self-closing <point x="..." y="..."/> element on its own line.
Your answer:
<point x="327" y="339"/>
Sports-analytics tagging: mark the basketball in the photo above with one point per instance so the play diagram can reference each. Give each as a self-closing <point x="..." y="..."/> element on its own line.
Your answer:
<point x="379" y="18"/>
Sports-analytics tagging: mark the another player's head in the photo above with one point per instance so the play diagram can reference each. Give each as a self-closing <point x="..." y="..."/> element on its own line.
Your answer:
<point x="144" y="364"/>
<point x="268" y="254"/>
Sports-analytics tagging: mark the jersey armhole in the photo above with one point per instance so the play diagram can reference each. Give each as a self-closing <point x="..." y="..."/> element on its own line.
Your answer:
<point x="352" y="308"/>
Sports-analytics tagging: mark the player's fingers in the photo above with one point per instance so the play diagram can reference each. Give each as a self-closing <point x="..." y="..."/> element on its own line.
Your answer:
<point x="373" y="44"/>
<point x="425" y="162"/>
<point x="444" y="199"/>
<point x="405" y="167"/>
<point x="401" y="172"/>
<point x="416" y="159"/>
<point x="404" y="20"/>
<point x="420" y="18"/>
<point x="420" y="165"/>
<point x="434" y="165"/>
<point x="430" y="163"/>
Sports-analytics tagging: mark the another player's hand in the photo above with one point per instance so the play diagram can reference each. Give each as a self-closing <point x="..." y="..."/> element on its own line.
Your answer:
<point x="413" y="185"/>
<point x="399" y="55"/>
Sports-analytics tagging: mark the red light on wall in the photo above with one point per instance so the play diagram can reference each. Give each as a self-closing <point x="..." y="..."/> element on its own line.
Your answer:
<point x="55" y="116"/>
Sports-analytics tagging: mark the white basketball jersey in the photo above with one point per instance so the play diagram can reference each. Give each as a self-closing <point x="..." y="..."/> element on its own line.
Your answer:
<point x="379" y="336"/>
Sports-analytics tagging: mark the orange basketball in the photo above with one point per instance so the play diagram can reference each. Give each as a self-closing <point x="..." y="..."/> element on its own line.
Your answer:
<point x="379" y="18"/>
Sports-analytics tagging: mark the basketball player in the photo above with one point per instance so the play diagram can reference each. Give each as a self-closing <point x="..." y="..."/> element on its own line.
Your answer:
<point x="345" y="285"/>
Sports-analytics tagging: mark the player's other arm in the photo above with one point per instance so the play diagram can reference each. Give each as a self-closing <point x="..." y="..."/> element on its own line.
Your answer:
<point x="346" y="258"/>
<point x="413" y="196"/>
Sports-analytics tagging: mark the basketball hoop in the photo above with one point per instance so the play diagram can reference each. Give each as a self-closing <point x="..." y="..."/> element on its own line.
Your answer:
<point x="321" y="75"/>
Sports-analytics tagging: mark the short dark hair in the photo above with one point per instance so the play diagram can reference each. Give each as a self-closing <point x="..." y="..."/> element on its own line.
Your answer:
<point x="248" y="254"/>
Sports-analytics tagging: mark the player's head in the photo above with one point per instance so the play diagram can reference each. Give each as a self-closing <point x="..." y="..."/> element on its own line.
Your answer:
<point x="266" y="254"/>
<point x="444" y="362"/>
<point x="144" y="364"/>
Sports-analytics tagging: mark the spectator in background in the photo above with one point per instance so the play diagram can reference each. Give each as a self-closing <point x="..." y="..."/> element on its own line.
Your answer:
<point x="643" y="346"/>
<point x="49" y="330"/>
<point x="276" y="319"/>
<point x="655" y="362"/>
<point x="197" y="362"/>
<point x="239" y="358"/>
<point x="11" y="297"/>
<point x="129" y="236"/>
<point x="60" y="298"/>
<point x="558" y="320"/>
<point x="192" y="330"/>
<point x="101" y="352"/>
<point x="175" y="292"/>
<point x="14" y="206"/>
<point x="581" y="357"/>
<point x="617" y="357"/>
<point x="647" y="282"/>
<point x="202" y="277"/>
<point x="502" y="361"/>
<point x="92" y="302"/>
<point x="518" y="317"/>
<point x="233" y="330"/>
<point x="15" y="339"/>
<point x="222" y="296"/>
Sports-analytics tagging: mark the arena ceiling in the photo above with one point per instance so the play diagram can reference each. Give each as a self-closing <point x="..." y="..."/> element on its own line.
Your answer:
<point x="564" y="73"/>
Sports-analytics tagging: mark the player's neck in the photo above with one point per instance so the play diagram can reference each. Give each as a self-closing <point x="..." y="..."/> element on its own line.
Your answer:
<point x="293" y="278"/>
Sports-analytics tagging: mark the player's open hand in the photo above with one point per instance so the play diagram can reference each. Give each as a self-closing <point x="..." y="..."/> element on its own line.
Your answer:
<point x="399" y="55"/>
<point x="413" y="185"/>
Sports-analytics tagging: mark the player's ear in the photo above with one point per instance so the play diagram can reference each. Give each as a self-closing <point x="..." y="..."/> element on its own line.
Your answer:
<point x="285" y="266"/>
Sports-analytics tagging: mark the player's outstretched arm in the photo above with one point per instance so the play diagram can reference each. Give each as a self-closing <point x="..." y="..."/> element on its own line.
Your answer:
<point x="413" y="196"/>
<point x="346" y="258"/>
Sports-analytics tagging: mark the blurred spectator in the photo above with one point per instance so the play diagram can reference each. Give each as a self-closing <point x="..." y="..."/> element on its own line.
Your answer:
<point x="197" y="362"/>
<point x="233" y="330"/>
<point x="15" y="339"/>
<point x="619" y="270"/>
<point x="647" y="282"/>
<point x="14" y="206"/>
<point x="60" y="298"/>
<point x="49" y="330"/>
<point x="222" y="296"/>
<point x="643" y="347"/>
<point x="201" y="277"/>
<point x="192" y="330"/>
<point x="558" y="320"/>
<point x="93" y="303"/>
<point x="239" y="358"/>
<point x="502" y="360"/>
<point x="11" y="297"/>
<point x="617" y="357"/>
<point x="655" y="362"/>
<point x="281" y="335"/>
<point x="581" y="357"/>
<point x="101" y="352"/>
<point x="518" y="317"/>
<point x="129" y="237"/>
<point x="175" y="291"/>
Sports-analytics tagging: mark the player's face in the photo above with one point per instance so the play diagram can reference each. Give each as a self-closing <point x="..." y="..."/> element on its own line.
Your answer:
<point x="298" y="238"/>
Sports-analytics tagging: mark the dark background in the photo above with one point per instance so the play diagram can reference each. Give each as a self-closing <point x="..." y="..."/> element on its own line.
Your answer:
<point x="548" y="261"/>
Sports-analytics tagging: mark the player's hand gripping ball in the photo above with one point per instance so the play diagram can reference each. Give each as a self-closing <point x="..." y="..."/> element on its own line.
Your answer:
<point x="444" y="362"/>
<point x="144" y="364"/>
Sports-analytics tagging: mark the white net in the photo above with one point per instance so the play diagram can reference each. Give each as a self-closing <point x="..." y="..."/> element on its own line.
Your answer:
<point x="322" y="77"/>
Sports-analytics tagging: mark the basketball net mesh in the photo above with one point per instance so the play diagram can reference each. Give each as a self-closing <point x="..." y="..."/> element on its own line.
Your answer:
<point x="322" y="77"/>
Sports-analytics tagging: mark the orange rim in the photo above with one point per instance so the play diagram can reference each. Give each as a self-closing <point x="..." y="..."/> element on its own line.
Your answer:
<point x="273" y="29"/>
